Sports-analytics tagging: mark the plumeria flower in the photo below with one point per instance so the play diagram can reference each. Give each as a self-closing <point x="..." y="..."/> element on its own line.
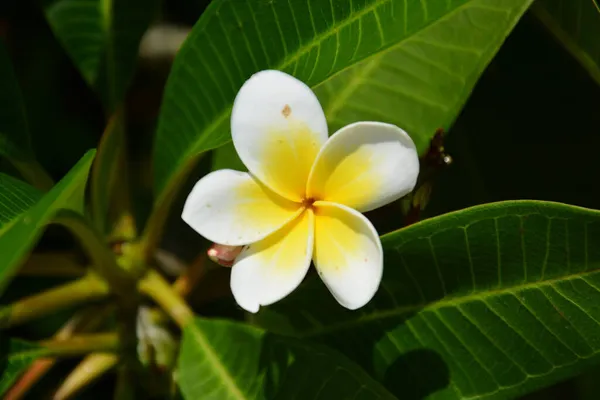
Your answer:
<point x="303" y="196"/>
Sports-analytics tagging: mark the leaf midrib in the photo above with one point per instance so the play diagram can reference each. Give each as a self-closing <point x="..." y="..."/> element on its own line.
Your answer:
<point x="449" y="301"/>
<point x="206" y="134"/>
<point x="211" y="356"/>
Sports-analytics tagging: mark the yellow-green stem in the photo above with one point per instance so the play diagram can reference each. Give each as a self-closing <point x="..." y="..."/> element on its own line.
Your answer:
<point x="162" y="206"/>
<point x="88" y="288"/>
<point x="156" y="287"/>
<point x="81" y="344"/>
<point x="92" y="367"/>
<point x="121" y="282"/>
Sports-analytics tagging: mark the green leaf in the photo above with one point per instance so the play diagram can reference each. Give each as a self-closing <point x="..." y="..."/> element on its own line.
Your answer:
<point x="102" y="38"/>
<point x="22" y="223"/>
<point x="576" y="24"/>
<point x="229" y="360"/>
<point x="16" y="358"/>
<point x="440" y="47"/>
<point x="504" y="298"/>
<point x="15" y="143"/>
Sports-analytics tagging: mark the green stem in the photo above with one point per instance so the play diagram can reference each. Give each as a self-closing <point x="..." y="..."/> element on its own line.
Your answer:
<point x="156" y="287"/>
<point x="81" y="344"/>
<point x="161" y="211"/>
<point x="121" y="282"/>
<point x="87" y="288"/>
<point x="88" y="370"/>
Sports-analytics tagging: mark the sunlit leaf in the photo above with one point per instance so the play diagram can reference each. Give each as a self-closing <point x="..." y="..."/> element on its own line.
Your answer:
<point x="489" y="302"/>
<point x="436" y="50"/>
<point x="24" y="213"/>
<point x="576" y="24"/>
<point x="228" y="360"/>
<point x="102" y="38"/>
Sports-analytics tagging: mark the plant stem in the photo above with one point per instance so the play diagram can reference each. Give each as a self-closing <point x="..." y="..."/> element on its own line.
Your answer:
<point x="87" y="371"/>
<point x="84" y="289"/>
<point x="29" y="378"/>
<point x="186" y="282"/>
<point x="121" y="282"/>
<point x="58" y="264"/>
<point x="81" y="344"/>
<point x="85" y="320"/>
<point x="170" y="301"/>
<point x="162" y="207"/>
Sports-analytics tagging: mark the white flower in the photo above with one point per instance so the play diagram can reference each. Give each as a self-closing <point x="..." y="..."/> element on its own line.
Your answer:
<point x="304" y="195"/>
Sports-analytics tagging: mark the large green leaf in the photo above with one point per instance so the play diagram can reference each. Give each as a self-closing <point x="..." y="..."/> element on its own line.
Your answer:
<point x="228" y="360"/>
<point x="502" y="297"/>
<point x="22" y="223"/>
<point x="15" y="143"/>
<point x="15" y="357"/>
<point x="102" y="38"/>
<point x="435" y="52"/>
<point x="576" y="23"/>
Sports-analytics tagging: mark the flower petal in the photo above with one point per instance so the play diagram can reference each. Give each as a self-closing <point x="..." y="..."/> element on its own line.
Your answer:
<point x="278" y="127"/>
<point x="269" y="270"/>
<point x="232" y="208"/>
<point x="348" y="254"/>
<point x="365" y="165"/>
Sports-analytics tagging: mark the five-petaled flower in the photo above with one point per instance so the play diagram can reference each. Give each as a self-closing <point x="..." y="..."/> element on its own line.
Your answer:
<point x="303" y="196"/>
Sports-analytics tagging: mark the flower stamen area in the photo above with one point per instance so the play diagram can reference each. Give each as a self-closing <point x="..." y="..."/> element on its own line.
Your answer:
<point x="308" y="202"/>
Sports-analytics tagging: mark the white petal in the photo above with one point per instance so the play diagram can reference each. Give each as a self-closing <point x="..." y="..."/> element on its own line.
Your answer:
<point x="365" y="165"/>
<point x="232" y="208"/>
<point x="348" y="254"/>
<point x="278" y="127"/>
<point x="269" y="270"/>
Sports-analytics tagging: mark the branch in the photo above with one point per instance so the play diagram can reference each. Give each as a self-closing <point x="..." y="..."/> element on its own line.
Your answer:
<point x="156" y="287"/>
<point x="86" y="372"/>
<point x="81" y="344"/>
<point x="88" y="288"/>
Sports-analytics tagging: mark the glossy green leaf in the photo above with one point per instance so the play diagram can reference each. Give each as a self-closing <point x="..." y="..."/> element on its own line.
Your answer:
<point x="443" y="47"/>
<point x="15" y="357"/>
<point x="22" y="221"/>
<point x="102" y="38"/>
<point x="490" y="302"/>
<point x="576" y="24"/>
<point x="228" y="360"/>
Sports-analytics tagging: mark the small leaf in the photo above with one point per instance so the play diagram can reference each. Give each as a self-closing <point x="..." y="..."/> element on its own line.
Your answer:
<point x="229" y="360"/>
<point x="102" y="38"/>
<point x="576" y="24"/>
<point x="504" y="295"/>
<point x="15" y="358"/>
<point x="22" y="221"/>
<point x="440" y="47"/>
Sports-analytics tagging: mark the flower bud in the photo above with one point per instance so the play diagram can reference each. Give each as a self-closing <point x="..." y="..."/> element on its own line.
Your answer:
<point x="223" y="255"/>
